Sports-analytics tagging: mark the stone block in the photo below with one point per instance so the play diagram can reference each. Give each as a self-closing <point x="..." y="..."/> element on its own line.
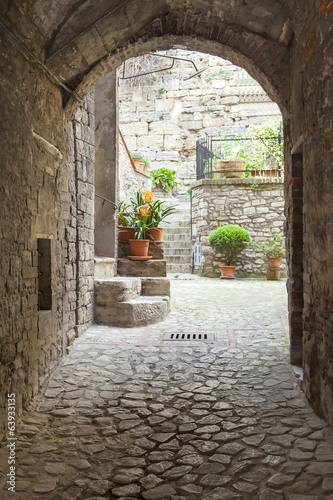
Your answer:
<point x="136" y="129"/>
<point x="108" y="291"/>
<point x="138" y="312"/>
<point x="164" y="127"/>
<point x="148" y="268"/>
<point x="104" y="267"/>
<point x="155" y="286"/>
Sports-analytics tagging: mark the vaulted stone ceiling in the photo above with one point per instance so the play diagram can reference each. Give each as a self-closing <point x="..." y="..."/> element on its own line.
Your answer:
<point x="72" y="38"/>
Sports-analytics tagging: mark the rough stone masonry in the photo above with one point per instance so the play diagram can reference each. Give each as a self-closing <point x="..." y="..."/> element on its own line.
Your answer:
<point x="52" y="56"/>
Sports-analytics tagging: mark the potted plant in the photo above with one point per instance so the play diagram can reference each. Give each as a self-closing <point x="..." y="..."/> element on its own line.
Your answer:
<point x="124" y="225"/>
<point x="140" y="162"/>
<point x="146" y="164"/>
<point x="158" y="212"/>
<point x="229" y="240"/>
<point x="273" y="249"/>
<point x="139" y="245"/>
<point x="163" y="177"/>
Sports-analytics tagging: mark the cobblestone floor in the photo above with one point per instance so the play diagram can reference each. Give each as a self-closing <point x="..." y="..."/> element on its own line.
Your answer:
<point x="127" y="415"/>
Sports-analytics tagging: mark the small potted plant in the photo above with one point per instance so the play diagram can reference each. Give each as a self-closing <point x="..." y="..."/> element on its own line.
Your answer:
<point x="139" y="245"/>
<point x="124" y="225"/>
<point x="140" y="162"/>
<point x="164" y="177"/>
<point x="273" y="249"/>
<point x="146" y="163"/>
<point x="229" y="240"/>
<point x="158" y="212"/>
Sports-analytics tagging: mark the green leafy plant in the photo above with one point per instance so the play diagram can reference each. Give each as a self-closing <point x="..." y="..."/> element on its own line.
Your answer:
<point x="266" y="135"/>
<point x="164" y="176"/>
<point x="143" y="213"/>
<point x="159" y="212"/>
<point x="161" y="91"/>
<point x="221" y="73"/>
<point x="140" y="225"/>
<point x="273" y="247"/>
<point x="261" y="146"/>
<point x="146" y="162"/>
<point x="229" y="240"/>
<point x="136" y="156"/>
<point x="123" y="211"/>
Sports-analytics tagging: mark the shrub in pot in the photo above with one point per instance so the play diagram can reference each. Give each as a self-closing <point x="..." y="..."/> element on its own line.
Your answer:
<point x="273" y="248"/>
<point x="230" y="240"/>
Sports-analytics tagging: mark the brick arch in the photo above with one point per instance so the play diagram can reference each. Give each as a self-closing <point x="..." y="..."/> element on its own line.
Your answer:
<point x="277" y="91"/>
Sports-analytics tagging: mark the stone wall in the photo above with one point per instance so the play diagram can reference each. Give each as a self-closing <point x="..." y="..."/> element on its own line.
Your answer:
<point x="254" y="204"/>
<point x="309" y="188"/>
<point x="163" y="118"/>
<point x="83" y="267"/>
<point x="46" y="193"/>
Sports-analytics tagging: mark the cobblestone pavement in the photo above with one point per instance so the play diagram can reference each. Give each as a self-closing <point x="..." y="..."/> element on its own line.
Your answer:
<point x="127" y="415"/>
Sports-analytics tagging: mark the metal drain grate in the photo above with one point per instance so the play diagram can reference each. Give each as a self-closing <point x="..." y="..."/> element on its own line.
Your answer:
<point x="199" y="337"/>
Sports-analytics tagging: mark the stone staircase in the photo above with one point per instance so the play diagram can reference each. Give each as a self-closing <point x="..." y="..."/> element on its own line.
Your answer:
<point x="127" y="301"/>
<point x="177" y="239"/>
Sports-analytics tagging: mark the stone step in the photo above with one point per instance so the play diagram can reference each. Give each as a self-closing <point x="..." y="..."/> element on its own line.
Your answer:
<point x="177" y="251"/>
<point x="177" y="217"/>
<point x="177" y="244"/>
<point x="179" y="268"/>
<point x="179" y="259"/>
<point x="143" y="310"/>
<point x="118" y="289"/>
<point x="147" y="268"/>
<point x="177" y="231"/>
<point x="104" y="267"/>
<point x="155" y="286"/>
<point x="168" y="237"/>
<point x="176" y="224"/>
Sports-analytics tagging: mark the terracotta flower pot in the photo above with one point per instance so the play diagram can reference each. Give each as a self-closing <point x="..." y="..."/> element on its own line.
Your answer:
<point x="271" y="173"/>
<point x="126" y="233"/>
<point x="265" y="173"/>
<point x="137" y="163"/>
<point x="157" y="234"/>
<point x="230" y="169"/>
<point x="228" y="272"/>
<point x="139" y="248"/>
<point x="274" y="263"/>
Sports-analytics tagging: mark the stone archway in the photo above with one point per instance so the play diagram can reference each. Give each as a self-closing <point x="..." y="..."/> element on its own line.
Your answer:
<point x="51" y="59"/>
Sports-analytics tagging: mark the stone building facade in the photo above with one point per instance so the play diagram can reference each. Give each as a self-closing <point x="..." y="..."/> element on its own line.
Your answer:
<point x="257" y="205"/>
<point x="51" y="57"/>
<point x="164" y="117"/>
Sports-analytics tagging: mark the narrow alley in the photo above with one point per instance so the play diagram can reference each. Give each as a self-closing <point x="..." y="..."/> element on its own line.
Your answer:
<point x="129" y="415"/>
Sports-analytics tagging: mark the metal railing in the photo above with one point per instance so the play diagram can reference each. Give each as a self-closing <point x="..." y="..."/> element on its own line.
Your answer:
<point x="115" y="206"/>
<point x="257" y="156"/>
